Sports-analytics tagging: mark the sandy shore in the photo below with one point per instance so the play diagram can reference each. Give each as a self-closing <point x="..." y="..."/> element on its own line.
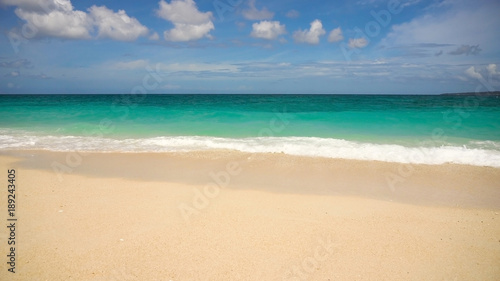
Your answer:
<point x="236" y="216"/>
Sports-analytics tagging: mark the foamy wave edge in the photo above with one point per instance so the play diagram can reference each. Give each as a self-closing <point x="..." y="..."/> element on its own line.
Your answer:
<point x="301" y="146"/>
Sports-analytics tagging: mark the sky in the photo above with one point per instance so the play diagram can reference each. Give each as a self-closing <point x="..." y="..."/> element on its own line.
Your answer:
<point x="249" y="46"/>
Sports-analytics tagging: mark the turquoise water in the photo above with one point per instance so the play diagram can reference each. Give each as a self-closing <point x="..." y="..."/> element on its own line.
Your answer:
<point x="191" y="122"/>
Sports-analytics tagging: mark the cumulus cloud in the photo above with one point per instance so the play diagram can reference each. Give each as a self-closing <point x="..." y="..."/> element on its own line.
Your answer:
<point x="292" y="14"/>
<point x="117" y="26"/>
<point x="189" y="22"/>
<point x="335" y="35"/>
<point x="268" y="29"/>
<point x="154" y="36"/>
<point x="471" y="72"/>
<point x="466" y="50"/>
<point x="492" y="69"/>
<point x="182" y="11"/>
<point x="488" y="75"/>
<point x="58" y="18"/>
<point x="189" y="32"/>
<point x="252" y="13"/>
<point x="357" y="42"/>
<point x="310" y="36"/>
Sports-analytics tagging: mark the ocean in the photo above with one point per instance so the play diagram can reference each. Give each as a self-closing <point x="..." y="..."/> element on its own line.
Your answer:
<point x="437" y="129"/>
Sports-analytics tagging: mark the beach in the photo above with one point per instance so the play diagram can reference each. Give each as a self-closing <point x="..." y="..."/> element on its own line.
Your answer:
<point x="231" y="140"/>
<point x="227" y="215"/>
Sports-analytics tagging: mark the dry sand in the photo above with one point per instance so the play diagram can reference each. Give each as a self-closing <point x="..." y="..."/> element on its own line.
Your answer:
<point x="271" y="217"/>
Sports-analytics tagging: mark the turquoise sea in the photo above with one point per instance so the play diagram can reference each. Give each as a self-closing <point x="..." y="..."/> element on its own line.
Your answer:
<point x="408" y="129"/>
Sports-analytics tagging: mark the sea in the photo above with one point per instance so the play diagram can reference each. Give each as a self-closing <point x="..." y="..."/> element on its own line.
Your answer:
<point x="419" y="129"/>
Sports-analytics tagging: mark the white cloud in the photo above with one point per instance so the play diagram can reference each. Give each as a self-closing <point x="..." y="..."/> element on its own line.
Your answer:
<point x="135" y="64"/>
<point x="487" y="75"/>
<point x="154" y="36"/>
<point x="58" y="18"/>
<point x="189" y="22"/>
<point x="188" y="32"/>
<point x="20" y="63"/>
<point x="182" y="11"/>
<point x="292" y="14"/>
<point x="492" y="69"/>
<point x="268" y="29"/>
<point x="41" y="76"/>
<point x="471" y="72"/>
<point x="461" y="23"/>
<point x="310" y="36"/>
<point x="117" y="26"/>
<point x="335" y="35"/>
<point x="55" y="18"/>
<point x="252" y="13"/>
<point x="357" y="42"/>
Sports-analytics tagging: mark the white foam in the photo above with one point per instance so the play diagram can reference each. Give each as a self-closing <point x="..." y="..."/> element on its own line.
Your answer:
<point x="302" y="146"/>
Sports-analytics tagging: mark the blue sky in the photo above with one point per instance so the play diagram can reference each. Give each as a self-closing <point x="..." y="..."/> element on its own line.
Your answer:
<point x="249" y="46"/>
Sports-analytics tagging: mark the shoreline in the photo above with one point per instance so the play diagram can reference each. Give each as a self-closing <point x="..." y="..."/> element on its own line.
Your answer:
<point x="415" y="152"/>
<point x="270" y="217"/>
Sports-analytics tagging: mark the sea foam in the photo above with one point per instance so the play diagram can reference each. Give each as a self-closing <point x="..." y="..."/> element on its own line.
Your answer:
<point x="477" y="153"/>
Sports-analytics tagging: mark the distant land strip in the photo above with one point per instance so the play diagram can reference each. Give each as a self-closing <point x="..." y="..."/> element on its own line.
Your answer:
<point x="494" y="93"/>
